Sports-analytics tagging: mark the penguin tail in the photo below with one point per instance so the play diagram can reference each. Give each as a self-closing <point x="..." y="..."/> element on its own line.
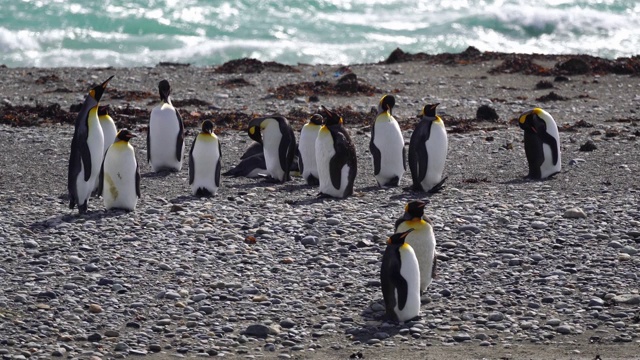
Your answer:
<point x="438" y="187"/>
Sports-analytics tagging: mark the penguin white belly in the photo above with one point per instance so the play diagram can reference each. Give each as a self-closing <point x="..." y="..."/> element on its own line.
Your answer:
<point x="437" y="147"/>
<point x="410" y="271"/>
<point x="205" y="160"/>
<point x="271" y="150"/>
<point x="389" y="140"/>
<point x="548" y="168"/>
<point x="95" y="142"/>
<point x="423" y="243"/>
<point x="119" y="187"/>
<point x="164" y="127"/>
<point x="324" y="153"/>
<point x="307" y="147"/>
<point x="109" y="132"/>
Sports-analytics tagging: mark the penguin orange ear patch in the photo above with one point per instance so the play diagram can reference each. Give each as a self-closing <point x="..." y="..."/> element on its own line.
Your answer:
<point x="92" y="93"/>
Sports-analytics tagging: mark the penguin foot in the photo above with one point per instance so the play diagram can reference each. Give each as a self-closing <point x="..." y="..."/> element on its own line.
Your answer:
<point x="322" y="195"/>
<point x="83" y="208"/>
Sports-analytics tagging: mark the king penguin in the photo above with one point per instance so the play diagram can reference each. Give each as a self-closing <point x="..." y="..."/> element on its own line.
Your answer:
<point x="279" y="144"/>
<point x="541" y="143"/>
<point x="335" y="157"/>
<point x="120" y="174"/>
<point x="307" y="149"/>
<point x="387" y="145"/>
<point x="428" y="151"/>
<point x="87" y="148"/>
<point x="108" y="130"/>
<point x="400" y="279"/>
<point x="204" y="162"/>
<point x="165" y="139"/>
<point x="421" y="240"/>
<point x="252" y="162"/>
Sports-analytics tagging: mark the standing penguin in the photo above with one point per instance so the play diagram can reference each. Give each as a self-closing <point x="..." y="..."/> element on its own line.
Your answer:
<point x="541" y="143"/>
<point x="165" y="139"/>
<point x="307" y="149"/>
<point x="204" y="162"/>
<point x="400" y="279"/>
<point x="387" y="145"/>
<point x="335" y="157"/>
<point x="421" y="240"/>
<point x="428" y="151"/>
<point x="108" y="130"/>
<point x="279" y="144"/>
<point x="120" y="174"/>
<point x="86" y="150"/>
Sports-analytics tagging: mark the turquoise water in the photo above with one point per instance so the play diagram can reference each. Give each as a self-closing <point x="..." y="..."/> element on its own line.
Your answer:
<point x="51" y="33"/>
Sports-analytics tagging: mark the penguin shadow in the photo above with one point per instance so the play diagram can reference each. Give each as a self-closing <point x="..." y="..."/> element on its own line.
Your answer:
<point x="53" y="221"/>
<point x="185" y="198"/>
<point x="251" y="185"/>
<point x="157" y="174"/>
<point x="527" y="179"/>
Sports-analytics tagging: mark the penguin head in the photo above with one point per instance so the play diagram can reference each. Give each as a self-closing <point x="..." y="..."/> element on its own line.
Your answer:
<point x="533" y="120"/>
<point x="207" y="127"/>
<point x="331" y="118"/>
<point x="103" y="110"/>
<point x="254" y="130"/>
<point x="398" y="238"/>
<point x="387" y="102"/>
<point x="414" y="209"/>
<point x="429" y="110"/>
<point x="316" y="119"/>
<point x="125" y="135"/>
<point x="97" y="91"/>
<point x="165" y="90"/>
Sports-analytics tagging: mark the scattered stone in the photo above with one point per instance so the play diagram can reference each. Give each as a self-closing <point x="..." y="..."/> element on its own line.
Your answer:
<point x="574" y="213"/>
<point x="627" y="299"/>
<point x="95" y="308"/>
<point x="588" y="146"/>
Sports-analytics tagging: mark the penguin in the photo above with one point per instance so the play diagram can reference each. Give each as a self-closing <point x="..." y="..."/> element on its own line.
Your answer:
<point x="307" y="149"/>
<point x="165" y="137"/>
<point x="428" y="151"/>
<point x="120" y="174"/>
<point x="87" y="148"/>
<point x="204" y="162"/>
<point x="335" y="157"/>
<point x="541" y="143"/>
<point x="387" y="145"/>
<point x="421" y="240"/>
<point x="251" y="167"/>
<point x="109" y="131"/>
<point x="400" y="279"/>
<point x="279" y="144"/>
<point x="252" y="162"/>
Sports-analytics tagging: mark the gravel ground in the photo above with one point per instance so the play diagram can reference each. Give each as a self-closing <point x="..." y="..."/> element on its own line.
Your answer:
<point x="528" y="269"/>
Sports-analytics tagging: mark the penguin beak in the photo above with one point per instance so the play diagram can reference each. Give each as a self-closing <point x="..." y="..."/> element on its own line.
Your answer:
<point x="388" y="240"/>
<point x="130" y="135"/>
<point x="104" y="84"/>
<point x="407" y="233"/>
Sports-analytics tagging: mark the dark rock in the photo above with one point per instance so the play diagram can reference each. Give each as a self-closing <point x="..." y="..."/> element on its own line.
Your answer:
<point x="95" y="337"/>
<point x="588" y="146"/>
<point x="574" y="66"/>
<point x="486" y="113"/>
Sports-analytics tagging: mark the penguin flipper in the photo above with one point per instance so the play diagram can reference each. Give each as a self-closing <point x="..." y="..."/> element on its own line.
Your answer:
<point x="300" y="162"/>
<point x="375" y="152"/>
<point x="246" y="166"/>
<point x="180" y="138"/>
<point x="101" y="177"/>
<point x="85" y="153"/>
<point x="192" y="170"/>
<point x="218" y="165"/>
<point x="149" y="143"/>
<point x="433" y="266"/>
<point x="287" y="148"/>
<point x="553" y="144"/>
<point x="137" y="179"/>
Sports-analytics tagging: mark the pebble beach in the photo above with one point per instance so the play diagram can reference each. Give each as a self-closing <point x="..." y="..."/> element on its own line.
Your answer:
<point x="526" y="269"/>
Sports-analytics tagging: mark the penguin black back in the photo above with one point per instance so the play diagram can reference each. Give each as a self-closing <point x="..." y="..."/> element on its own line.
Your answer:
<point x="393" y="283"/>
